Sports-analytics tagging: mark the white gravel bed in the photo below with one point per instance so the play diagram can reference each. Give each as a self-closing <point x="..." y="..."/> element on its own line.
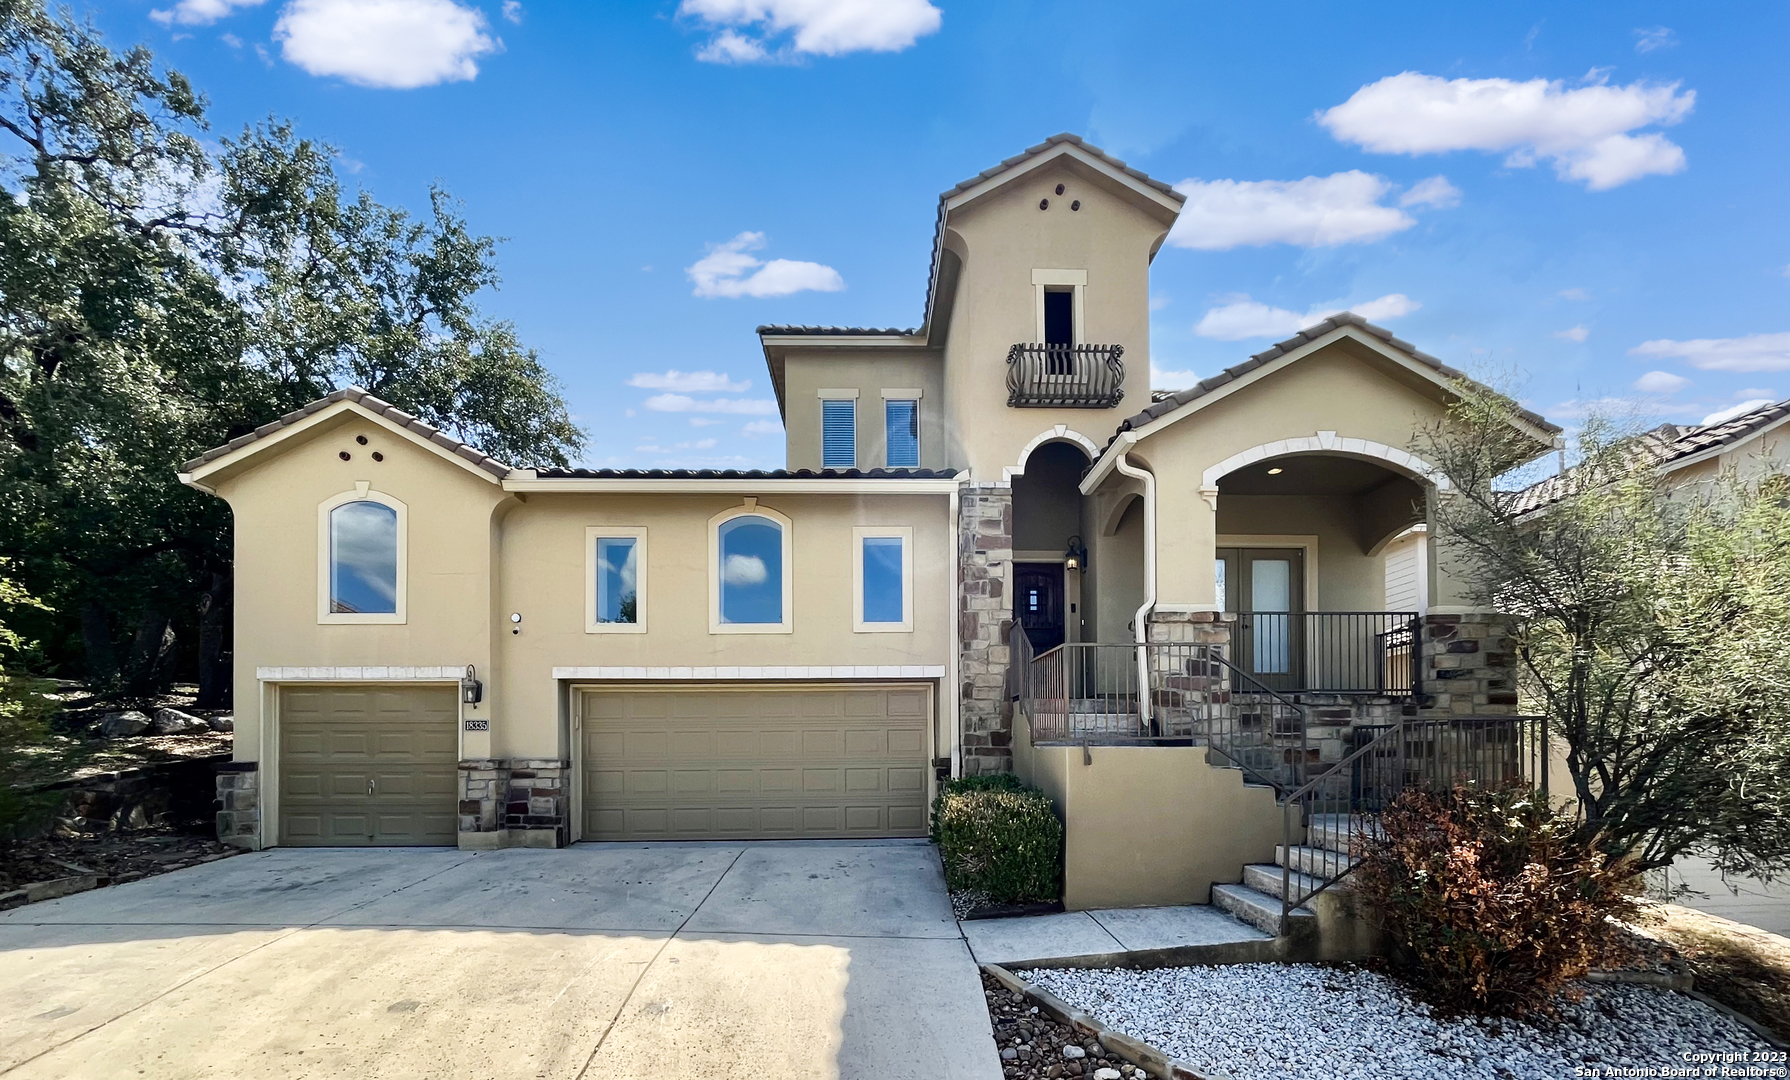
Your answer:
<point x="1269" y="1021"/>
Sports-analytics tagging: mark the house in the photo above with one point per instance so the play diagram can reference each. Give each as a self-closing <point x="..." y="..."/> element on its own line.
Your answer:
<point x="993" y="548"/>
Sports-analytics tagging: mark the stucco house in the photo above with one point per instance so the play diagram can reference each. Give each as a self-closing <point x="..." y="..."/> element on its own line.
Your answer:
<point x="993" y="547"/>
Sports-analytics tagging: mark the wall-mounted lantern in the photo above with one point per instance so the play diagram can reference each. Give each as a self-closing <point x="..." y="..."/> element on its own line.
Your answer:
<point x="1076" y="556"/>
<point x="472" y="691"/>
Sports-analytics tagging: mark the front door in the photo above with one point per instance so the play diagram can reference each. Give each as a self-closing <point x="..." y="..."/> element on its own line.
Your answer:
<point x="1038" y="603"/>
<point x="1266" y="588"/>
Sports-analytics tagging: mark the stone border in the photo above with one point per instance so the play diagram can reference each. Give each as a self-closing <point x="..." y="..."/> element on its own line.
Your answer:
<point x="1141" y="1054"/>
<point x="56" y="888"/>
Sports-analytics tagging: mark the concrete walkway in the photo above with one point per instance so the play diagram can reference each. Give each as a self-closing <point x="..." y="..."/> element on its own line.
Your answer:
<point x="793" y="960"/>
<point x="1103" y="933"/>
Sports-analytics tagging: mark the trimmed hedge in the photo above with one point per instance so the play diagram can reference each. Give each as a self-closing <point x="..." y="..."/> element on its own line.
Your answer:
<point x="999" y="837"/>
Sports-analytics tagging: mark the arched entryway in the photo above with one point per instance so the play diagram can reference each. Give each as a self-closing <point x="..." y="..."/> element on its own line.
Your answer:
<point x="1049" y="560"/>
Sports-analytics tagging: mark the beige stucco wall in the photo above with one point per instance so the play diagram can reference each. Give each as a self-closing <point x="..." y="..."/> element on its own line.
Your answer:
<point x="1002" y="239"/>
<point x="275" y="501"/>
<point x="1149" y="825"/>
<point x="1331" y="390"/>
<point x="869" y="371"/>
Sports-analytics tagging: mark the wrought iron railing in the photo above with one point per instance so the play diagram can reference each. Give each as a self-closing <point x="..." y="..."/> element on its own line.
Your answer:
<point x="1332" y="652"/>
<point x="1083" y="691"/>
<point x="1065" y="376"/>
<point x="1197" y="693"/>
<point x="1339" y="808"/>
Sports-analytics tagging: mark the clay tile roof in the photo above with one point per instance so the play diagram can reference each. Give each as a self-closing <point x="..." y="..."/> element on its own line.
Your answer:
<point x="1056" y="140"/>
<point x="839" y="331"/>
<point x="372" y="404"/>
<point x="1164" y="403"/>
<point x="745" y="474"/>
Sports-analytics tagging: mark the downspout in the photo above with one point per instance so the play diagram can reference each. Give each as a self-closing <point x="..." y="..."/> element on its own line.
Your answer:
<point x="1141" y="619"/>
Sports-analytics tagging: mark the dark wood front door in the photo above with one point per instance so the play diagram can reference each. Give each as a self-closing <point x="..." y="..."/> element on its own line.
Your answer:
<point x="1038" y="603"/>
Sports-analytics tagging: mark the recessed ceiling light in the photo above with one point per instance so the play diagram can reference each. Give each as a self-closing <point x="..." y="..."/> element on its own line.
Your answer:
<point x="1274" y="471"/>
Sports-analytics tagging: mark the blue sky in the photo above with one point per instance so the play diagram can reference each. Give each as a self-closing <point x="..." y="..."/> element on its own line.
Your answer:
<point x="1610" y="209"/>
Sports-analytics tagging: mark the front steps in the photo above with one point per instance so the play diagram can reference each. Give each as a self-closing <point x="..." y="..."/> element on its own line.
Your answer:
<point x="1298" y="871"/>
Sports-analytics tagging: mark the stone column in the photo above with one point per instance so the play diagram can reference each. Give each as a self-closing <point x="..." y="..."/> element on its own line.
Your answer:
<point x="985" y="551"/>
<point x="1469" y="666"/>
<point x="484" y="791"/>
<point x="239" y="803"/>
<point x="535" y="812"/>
<point x="1181" y="679"/>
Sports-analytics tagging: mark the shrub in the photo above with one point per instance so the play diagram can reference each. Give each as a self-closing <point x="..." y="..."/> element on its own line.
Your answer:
<point x="999" y="837"/>
<point x="1491" y="901"/>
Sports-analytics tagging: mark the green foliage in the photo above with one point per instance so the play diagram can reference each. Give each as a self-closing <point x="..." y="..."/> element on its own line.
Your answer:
<point x="1495" y="903"/>
<point x="26" y="706"/>
<point x="999" y="837"/>
<point x="1652" y="620"/>
<point x="162" y="292"/>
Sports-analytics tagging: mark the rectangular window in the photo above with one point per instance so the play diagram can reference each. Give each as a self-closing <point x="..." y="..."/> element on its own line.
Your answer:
<point x="615" y="580"/>
<point x="1059" y="317"/>
<point x="903" y="419"/>
<point x="883" y="580"/>
<point x="838" y="434"/>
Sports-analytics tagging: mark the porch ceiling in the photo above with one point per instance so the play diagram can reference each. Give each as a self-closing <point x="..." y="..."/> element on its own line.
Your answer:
<point x="1306" y="474"/>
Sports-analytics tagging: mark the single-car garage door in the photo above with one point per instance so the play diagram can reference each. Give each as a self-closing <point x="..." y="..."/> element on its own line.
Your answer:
<point x="368" y="765"/>
<point x="754" y="762"/>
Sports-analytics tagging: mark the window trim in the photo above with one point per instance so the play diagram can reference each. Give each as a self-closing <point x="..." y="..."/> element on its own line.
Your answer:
<point x="593" y="533"/>
<point x="1076" y="281"/>
<point x="362" y="492"/>
<point x="861" y="533"/>
<point x="828" y="397"/>
<point x="892" y="397"/>
<point x="751" y="508"/>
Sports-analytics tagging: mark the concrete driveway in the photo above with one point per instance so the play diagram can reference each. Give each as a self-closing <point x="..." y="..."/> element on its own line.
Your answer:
<point x="787" y="960"/>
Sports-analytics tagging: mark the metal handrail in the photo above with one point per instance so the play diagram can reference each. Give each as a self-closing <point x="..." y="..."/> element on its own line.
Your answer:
<point x="1332" y="652"/>
<point x="1065" y="376"/>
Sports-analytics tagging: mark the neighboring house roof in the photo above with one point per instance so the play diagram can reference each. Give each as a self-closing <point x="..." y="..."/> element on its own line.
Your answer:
<point x="394" y="417"/>
<point x="745" y="474"/>
<point x="836" y="331"/>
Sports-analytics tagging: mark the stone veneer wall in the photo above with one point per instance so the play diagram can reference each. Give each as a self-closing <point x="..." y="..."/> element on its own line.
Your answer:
<point x="239" y="802"/>
<point x="985" y="549"/>
<point x="516" y="802"/>
<point x="1469" y="666"/>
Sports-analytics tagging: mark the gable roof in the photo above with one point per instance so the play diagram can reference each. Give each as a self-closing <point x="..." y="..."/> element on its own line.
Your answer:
<point x="353" y="396"/>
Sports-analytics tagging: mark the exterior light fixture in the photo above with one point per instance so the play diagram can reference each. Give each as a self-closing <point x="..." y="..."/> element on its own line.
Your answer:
<point x="1076" y="556"/>
<point x="515" y="622"/>
<point x="1276" y="471"/>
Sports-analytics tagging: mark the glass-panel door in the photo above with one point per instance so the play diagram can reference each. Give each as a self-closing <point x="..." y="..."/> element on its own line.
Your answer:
<point x="1265" y="587"/>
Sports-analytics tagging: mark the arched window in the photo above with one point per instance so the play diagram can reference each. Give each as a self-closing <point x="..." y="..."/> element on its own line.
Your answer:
<point x="749" y="565"/>
<point x="361" y="549"/>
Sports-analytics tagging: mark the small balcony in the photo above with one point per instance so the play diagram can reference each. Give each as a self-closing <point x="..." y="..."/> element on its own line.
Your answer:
<point x="1065" y="376"/>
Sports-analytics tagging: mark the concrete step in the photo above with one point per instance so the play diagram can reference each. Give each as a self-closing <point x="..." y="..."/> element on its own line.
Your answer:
<point x="1266" y="878"/>
<point x="1334" y="832"/>
<point x="1313" y="860"/>
<point x="1260" y="910"/>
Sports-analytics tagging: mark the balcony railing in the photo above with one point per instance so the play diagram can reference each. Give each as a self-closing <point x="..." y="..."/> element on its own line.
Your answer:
<point x="1065" y="376"/>
<point x="1330" y="652"/>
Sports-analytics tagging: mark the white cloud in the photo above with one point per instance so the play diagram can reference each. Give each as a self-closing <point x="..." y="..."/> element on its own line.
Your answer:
<point x="391" y="44"/>
<point x="1661" y="382"/>
<point x="744" y="570"/>
<point x="689" y="382"/>
<point x="1240" y="318"/>
<point x="682" y="403"/>
<point x="1583" y="130"/>
<point x="1649" y="38"/>
<point x="1574" y="294"/>
<point x="761" y="427"/>
<point x="1172" y="380"/>
<point x="1754" y="352"/>
<point x="512" y="11"/>
<point x="749" y="29"/>
<point x="1435" y="192"/>
<point x="1575" y="334"/>
<point x="1160" y="301"/>
<point x="231" y="40"/>
<point x="1318" y="211"/>
<point x="703" y="421"/>
<point x="199" y="12"/>
<point x="1730" y="413"/>
<point x="722" y="272"/>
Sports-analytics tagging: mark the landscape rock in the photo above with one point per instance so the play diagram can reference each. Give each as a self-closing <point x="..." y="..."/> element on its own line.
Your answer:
<point x="225" y="722"/>
<point x="175" y="722"/>
<point x="121" y="725"/>
<point x="1073" y="1052"/>
<point x="1107" y="1074"/>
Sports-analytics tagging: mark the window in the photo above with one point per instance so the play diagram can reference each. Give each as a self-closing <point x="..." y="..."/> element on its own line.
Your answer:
<point x="360" y="554"/>
<point x="903" y="419"/>
<point x="1060" y="299"/>
<point x="1059" y="316"/>
<point x="749" y="559"/>
<point x="838" y="429"/>
<point x="883" y="580"/>
<point x="615" y="580"/>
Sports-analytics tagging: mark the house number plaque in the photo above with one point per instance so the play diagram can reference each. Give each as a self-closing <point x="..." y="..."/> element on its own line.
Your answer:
<point x="478" y="725"/>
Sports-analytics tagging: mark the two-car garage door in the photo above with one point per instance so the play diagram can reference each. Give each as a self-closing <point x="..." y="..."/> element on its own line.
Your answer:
<point x="753" y="762"/>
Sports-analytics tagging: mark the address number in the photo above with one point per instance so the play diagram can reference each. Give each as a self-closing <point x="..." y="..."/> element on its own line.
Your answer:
<point x="478" y="725"/>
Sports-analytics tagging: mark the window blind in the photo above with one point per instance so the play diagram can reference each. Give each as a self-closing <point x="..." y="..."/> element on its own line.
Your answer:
<point x="904" y="433"/>
<point x="838" y="434"/>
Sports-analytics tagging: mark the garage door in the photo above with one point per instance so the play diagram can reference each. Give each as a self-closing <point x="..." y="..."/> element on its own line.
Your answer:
<point x="753" y="762"/>
<point x="368" y="765"/>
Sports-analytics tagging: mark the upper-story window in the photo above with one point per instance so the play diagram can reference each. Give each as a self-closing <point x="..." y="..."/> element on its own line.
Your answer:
<point x="1059" y="315"/>
<point x="615" y="580"/>
<point x="883" y="579"/>
<point x="749" y="555"/>
<point x="901" y="416"/>
<point x="361" y="571"/>
<point x="838" y="429"/>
